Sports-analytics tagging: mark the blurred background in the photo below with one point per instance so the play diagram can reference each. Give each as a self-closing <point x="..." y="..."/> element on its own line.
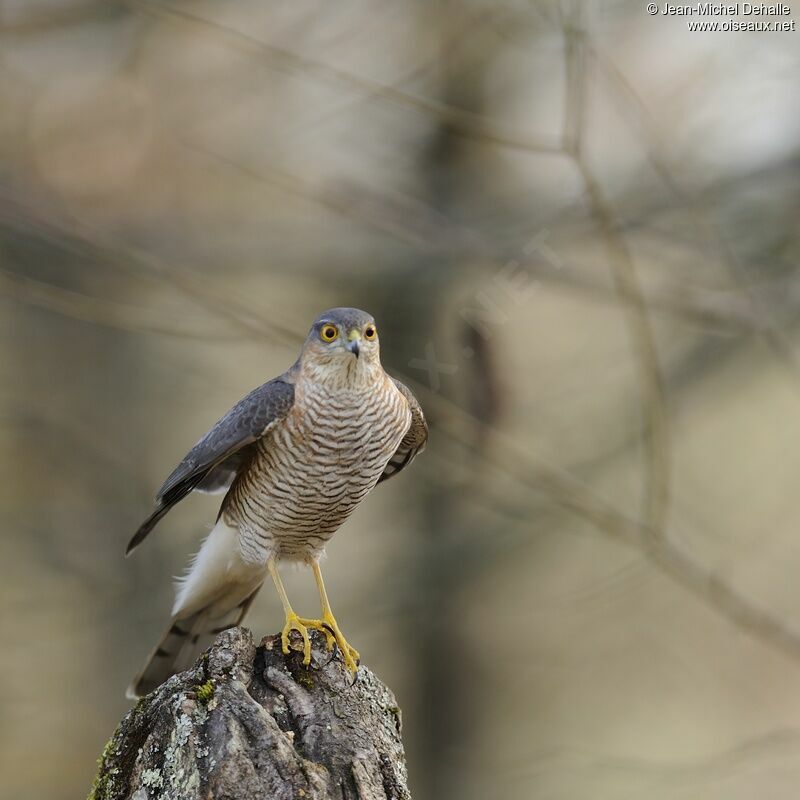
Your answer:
<point x="577" y="227"/>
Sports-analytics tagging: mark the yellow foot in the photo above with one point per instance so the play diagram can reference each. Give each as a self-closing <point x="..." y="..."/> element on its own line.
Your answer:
<point x="294" y="623"/>
<point x="333" y="634"/>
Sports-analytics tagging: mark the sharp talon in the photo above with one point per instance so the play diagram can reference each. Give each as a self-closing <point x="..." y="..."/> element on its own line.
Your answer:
<point x="330" y="638"/>
<point x="323" y="627"/>
<point x="294" y="623"/>
<point x="334" y="636"/>
<point x="331" y="657"/>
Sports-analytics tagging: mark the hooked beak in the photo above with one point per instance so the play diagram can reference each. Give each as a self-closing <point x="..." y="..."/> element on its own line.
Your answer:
<point x="354" y="345"/>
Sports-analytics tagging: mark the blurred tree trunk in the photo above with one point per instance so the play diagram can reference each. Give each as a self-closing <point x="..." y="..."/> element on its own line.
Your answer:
<point x="247" y="723"/>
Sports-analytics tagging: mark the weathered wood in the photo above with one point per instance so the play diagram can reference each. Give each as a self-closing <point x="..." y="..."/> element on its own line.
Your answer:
<point x="249" y="723"/>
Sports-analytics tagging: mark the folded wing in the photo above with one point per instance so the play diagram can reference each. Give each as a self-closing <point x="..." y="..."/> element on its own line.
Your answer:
<point x="413" y="442"/>
<point x="213" y="463"/>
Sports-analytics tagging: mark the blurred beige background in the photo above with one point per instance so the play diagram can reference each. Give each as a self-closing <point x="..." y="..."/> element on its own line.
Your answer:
<point x="577" y="226"/>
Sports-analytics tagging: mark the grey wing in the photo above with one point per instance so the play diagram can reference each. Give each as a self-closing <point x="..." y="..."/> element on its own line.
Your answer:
<point x="415" y="439"/>
<point x="214" y="461"/>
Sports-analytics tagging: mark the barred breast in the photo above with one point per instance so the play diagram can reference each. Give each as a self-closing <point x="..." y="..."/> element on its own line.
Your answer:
<point x="311" y="470"/>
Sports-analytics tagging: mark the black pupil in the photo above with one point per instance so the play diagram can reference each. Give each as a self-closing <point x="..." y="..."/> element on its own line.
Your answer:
<point x="370" y="332"/>
<point x="329" y="333"/>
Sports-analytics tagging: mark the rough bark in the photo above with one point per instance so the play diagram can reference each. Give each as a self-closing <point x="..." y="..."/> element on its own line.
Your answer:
<point x="248" y="722"/>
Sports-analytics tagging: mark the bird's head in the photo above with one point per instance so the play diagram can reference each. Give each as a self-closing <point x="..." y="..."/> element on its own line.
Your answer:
<point x="342" y="342"/>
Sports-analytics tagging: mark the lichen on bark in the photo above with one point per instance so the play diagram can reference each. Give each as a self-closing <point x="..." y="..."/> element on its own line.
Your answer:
<point x="249" y="722"/>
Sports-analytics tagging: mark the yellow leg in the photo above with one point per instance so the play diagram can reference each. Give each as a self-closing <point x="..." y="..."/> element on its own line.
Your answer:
<point x="293" y="622"/>
<point x="328" y="624"/>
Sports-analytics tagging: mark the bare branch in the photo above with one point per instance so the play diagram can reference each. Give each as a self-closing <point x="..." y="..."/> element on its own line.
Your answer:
<point x="464" y="123"/>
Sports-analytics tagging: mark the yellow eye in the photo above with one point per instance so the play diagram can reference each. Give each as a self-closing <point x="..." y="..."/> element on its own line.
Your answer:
<point x="370" y="333"/>
<point x="328" y="333"/>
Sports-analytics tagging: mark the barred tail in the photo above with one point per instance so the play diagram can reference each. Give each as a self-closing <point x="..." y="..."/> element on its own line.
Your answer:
<point x="183" y="641"/>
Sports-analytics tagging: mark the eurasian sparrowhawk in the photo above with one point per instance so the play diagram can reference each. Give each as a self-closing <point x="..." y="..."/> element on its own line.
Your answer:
<point x="295" y="457"/>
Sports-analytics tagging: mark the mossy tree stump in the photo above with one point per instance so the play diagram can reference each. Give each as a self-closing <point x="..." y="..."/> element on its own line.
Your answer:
<point x="249" y="723"/>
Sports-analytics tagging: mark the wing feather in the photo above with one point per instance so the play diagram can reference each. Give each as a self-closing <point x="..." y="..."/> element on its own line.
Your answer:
<point x="212" y="464"/>
<point x="413" y="442"/>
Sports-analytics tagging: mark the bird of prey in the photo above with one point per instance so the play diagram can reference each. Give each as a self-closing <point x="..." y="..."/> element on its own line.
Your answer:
<point x="295" y="457"/>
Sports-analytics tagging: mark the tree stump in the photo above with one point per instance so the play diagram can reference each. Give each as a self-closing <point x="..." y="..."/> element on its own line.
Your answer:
<point x="250" y="723"/>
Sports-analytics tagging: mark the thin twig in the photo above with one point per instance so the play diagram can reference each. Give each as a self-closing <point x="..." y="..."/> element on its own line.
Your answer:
<point x="464" y="123"/>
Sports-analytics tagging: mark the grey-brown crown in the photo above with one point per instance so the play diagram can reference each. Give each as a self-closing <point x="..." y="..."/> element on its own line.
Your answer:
<point x="344" y="318"/>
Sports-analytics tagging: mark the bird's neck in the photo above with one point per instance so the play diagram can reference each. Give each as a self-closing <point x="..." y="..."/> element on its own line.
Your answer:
<point x="353" y="374"/>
